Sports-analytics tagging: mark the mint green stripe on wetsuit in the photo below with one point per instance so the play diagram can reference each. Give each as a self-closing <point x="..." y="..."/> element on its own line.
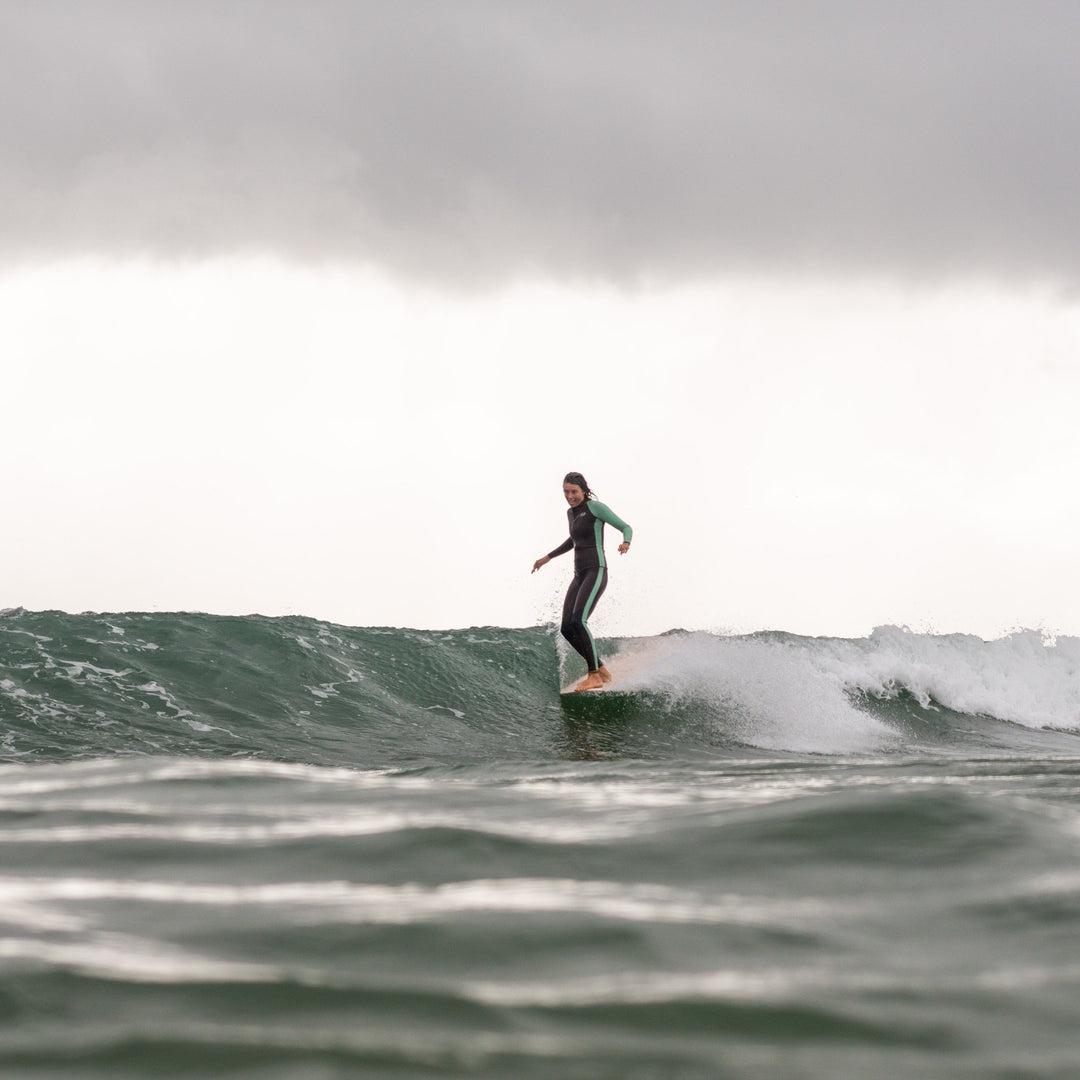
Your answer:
<point x="590" y="573"/>
<point x="594" y="594"/>
<point x="587" y="534"/>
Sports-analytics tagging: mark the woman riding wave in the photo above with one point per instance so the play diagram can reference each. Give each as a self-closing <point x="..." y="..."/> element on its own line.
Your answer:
<point x="587" y="517"/>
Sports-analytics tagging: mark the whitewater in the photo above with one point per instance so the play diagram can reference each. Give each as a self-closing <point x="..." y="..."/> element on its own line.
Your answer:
<point x="285" y="848"/>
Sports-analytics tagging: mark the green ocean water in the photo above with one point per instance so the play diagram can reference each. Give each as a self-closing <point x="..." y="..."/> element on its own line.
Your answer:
<point x="280" y="848"/>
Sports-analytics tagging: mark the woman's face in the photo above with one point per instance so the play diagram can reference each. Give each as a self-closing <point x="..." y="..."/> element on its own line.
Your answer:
<point x="574" y="495"/>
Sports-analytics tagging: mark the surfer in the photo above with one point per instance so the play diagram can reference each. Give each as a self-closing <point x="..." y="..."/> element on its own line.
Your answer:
<point x="587" y="518"/>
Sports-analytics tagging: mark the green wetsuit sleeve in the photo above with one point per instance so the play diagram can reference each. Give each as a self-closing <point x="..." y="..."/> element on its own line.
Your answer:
<point x="599" y="510"/>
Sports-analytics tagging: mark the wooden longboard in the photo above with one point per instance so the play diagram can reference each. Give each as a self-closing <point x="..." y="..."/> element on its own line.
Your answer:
<point x="566" y="691"/>
<point x="620" y="667"/>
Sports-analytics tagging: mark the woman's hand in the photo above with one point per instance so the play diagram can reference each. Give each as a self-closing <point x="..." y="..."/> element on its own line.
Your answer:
<point x="624" y="547"/>
<point x="540" y="562"/>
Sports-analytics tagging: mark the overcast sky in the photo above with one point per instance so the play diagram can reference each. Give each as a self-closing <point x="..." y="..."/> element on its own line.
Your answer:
<point x="308" y="306"/>
<point x="614" y="138"/>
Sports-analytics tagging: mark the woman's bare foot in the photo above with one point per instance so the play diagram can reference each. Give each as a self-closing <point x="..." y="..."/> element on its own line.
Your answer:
<point x="593" y="681"/>
<point x="604" y="673"/>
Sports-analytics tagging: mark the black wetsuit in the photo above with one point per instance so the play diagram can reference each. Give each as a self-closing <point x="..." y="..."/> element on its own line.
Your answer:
<point x="590" y="572"/>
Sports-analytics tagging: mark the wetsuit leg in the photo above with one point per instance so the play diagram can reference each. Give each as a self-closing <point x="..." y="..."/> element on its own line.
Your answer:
<point x="586" y="588"/>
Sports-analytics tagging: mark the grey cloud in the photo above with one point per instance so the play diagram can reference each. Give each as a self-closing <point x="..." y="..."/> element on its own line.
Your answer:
<point x="473" y="140"/>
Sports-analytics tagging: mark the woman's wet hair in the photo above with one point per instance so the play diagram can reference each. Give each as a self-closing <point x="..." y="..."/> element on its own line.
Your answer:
<point x="577" y="478"/>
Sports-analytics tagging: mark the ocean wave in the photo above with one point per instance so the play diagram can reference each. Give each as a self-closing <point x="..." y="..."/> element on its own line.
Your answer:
<point x="301" y="690"/>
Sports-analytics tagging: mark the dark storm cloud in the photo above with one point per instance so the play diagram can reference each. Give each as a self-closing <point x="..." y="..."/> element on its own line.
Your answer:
<point x="469" y="140"/>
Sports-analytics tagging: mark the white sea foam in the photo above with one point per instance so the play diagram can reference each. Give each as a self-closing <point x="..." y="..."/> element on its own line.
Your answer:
<point x="767" y="695"/>
<point x="803" y="694"/>
<point x="1026" y="678"/>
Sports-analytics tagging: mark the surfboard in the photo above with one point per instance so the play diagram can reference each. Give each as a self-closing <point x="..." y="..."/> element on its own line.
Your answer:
<point x="572" y="688"/>
<point x="619" y="666"/>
